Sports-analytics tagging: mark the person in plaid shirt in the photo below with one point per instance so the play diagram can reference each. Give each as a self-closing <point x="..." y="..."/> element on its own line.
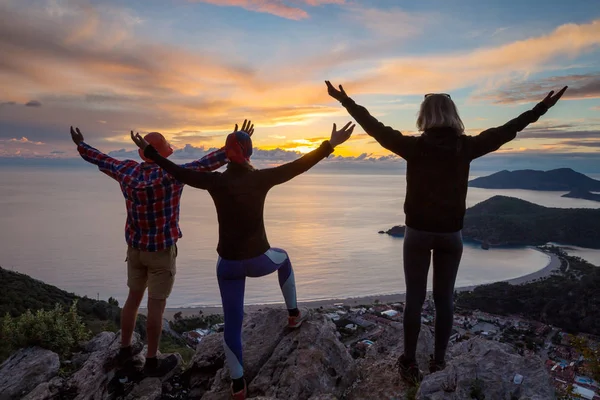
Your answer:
<point x="152" y="198"/>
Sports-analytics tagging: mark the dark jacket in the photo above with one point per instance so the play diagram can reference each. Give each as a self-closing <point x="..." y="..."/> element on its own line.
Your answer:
<point x="437" y="172"/>
<point x="239" y="196"/>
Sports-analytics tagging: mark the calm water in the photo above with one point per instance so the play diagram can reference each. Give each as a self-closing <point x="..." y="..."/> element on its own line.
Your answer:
<point x="65" y="227"/>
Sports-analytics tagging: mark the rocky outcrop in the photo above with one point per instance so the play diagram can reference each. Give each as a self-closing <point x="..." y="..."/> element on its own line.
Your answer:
<point x="25" y="370"/>
<point x="309" y="363"/>
<point x="489" y="368"/>
<point x="378" y="374"/>
<point x="279" y="363"/>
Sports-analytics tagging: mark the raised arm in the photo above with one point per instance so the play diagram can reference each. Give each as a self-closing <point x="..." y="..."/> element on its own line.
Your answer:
<point x="110" y="166"/>
<point x="278" y="175"/>
<point x="386" y="136"/>
<point x="198" y="179"/>
<point x="492" y="139"/>
<point x="218" y="158"/>
<point x="210" y="162"/>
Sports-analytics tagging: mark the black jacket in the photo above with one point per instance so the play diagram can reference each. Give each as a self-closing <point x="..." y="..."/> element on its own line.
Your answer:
<point x="437" y="172"/>
<point x="239" y="196"/>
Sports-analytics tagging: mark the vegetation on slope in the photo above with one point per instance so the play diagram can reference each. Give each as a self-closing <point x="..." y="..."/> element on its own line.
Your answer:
<point x="569" y="300"/>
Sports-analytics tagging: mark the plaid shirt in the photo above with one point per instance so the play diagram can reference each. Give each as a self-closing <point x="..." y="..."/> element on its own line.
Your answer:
<point x="151" y="196"/>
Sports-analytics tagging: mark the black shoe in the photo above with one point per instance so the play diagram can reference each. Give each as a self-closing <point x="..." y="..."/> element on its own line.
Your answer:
<point x="435" y="366"/>
<point x="125" y="354"/>
<point x="409" y="370"/>
<point x="155" y="367"/>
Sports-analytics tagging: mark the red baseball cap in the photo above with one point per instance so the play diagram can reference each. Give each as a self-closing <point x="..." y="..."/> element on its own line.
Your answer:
<point x="158" y="141"/>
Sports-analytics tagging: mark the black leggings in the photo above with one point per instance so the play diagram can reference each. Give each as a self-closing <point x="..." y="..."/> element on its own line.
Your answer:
<point x="447" y="251"/>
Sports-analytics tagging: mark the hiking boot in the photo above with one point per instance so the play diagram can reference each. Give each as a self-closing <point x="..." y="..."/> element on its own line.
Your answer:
<point x="125" y="354"/>
<point x="295" y="321"/>
<point x="241" y="395"/>
<point x="435" y="366"/>
<point x="155" y="367"/>
<point x="409" y="370"/>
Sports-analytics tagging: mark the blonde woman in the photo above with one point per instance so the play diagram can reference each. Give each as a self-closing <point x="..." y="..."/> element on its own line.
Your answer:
<point x="437" y="177"/>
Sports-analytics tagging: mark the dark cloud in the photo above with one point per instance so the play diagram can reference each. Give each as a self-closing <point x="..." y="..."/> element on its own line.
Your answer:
<point x="541" y="133"/>
<point x="33" y="103"/>
<point x="8" y="103"/>
<point x="581" y="86"/>
<point x="56" y="152"/>
<point x="581" y="143"/>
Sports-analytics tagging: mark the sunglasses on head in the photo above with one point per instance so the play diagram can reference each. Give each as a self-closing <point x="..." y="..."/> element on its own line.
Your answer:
<point x="442" y="94"/>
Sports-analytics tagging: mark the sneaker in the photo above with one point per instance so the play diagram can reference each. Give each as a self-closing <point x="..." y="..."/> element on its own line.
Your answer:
<point x="409" y="370"/>
<point x="435" y="366"/>
<point x="241" y="395"/>
<point x="161" y="366"/>
<point x="125" y="354"/>
<point x="295" y="321"/>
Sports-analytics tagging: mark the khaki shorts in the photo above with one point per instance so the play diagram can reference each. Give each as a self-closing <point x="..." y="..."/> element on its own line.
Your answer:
<point x="152" y="269"/>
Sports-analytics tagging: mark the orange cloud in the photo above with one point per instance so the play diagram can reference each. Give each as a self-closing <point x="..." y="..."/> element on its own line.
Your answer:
<point x="274" y="7"/>
<point x="488" y="66"/>
<point x="24" y="140"/>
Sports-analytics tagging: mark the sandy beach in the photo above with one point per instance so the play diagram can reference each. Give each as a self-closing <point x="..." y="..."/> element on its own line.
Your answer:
<point x="553" y="265"/>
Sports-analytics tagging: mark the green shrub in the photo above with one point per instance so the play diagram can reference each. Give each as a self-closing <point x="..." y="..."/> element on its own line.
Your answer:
<point x="58" y="330"/>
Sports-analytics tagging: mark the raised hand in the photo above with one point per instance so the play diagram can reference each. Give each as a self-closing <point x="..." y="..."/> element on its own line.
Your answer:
<point x="552" y="98"/>
<point x="77" y="136"/>
<point x="339" y="95"/>
<point x="339" y="137"/>
<point x="139" y="141"/>
<point x="247" y="127"/>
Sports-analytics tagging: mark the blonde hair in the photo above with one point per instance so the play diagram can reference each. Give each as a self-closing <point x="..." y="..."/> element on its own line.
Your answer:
<point x="438" y="110"/>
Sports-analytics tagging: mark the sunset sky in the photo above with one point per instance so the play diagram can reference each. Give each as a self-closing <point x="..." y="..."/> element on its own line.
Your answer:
<point x="192" y="69"/>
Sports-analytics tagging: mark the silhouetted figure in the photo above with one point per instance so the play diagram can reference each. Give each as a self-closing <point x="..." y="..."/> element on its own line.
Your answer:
<point x="239" y="195"/>
<point x="437" y="175"/>
<point x="152" y="199"/>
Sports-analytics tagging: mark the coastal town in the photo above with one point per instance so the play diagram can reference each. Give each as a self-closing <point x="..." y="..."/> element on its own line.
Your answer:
<point x="359" y="327"/>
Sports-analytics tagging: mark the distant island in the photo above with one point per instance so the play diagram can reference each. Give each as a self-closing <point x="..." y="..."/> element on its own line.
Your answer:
<point x="582" y="194"/>
<point x="563" y="179"/>
<point x="508" y="221"/>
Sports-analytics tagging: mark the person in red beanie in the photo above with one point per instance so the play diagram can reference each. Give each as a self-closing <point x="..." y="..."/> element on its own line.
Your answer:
<point x="152" y="198"/>
<point x="239" y="195"/>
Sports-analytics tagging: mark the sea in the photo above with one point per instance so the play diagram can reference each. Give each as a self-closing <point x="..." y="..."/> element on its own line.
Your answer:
<point x="65" y="226"/>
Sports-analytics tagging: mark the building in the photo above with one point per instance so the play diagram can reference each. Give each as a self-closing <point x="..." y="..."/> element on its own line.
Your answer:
<point x="586" y="394"/>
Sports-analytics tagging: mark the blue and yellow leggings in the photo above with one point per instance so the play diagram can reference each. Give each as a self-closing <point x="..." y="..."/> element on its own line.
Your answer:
<point x="231" y="275"/>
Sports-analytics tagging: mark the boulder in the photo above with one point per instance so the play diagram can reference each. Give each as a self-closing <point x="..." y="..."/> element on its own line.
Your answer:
<point x="25" y="370"/>
<point x="148" y="389"/>
<point x="91" y="382"/>
<point x="308" y="362"/>
<point x="378" y="373"/>
<point x="47" y="390"/>
<point x="487" y="367"/>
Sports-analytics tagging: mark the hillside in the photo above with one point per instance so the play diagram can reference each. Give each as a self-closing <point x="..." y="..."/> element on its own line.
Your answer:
<point x="19" y="292"/>
<point x="570" y="300"/>
<point x="582" y="194"/>
<point x="563" y="179"/>
<point x="503" y="220"/>
<point x="508" y="221"/>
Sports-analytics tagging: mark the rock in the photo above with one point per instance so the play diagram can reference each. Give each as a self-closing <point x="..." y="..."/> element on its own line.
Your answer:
<point x="100" y="342"/>
<point x="490" y="367"/>
<point x="25" y="370"/>
<point x="261" y="333"/>
<point x="91" y="381"/>
<point x="208" y="360"/>
<point x="46" y="390"/>
<point x="396" y="231"/>
<point x="148" y="389"/>
<point x="307" y="363"/>
<point x="78" y="359"/>
<point x="378" y="374"/>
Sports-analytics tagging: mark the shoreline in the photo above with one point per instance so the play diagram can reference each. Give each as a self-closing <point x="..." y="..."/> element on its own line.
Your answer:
<point x="552" y="266"/>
